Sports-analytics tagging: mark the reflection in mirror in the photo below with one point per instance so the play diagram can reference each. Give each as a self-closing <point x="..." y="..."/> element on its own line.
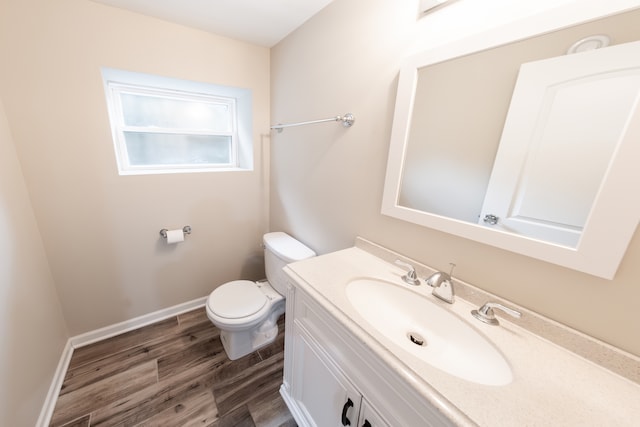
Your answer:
<point x="522" y="139"/>
<point x="567" y="116"/>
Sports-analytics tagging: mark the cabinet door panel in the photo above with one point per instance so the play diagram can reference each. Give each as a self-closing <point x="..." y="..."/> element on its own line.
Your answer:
<point x="369" y="417"/>
<point x="323" y="394"/>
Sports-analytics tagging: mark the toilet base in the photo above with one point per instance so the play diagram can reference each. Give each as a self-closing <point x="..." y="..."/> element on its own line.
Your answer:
<point x="241" y="336"/>
<point x="238" y="344"/>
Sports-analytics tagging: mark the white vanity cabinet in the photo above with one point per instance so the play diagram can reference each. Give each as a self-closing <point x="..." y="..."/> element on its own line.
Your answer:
<point x="323" y="394"/>
<point x="333" y="379"/>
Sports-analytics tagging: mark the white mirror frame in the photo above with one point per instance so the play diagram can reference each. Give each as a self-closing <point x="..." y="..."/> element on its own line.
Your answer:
<point x="616" y="210"/>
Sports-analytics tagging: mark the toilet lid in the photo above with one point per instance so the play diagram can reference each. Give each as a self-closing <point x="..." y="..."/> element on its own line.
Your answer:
<point x="233" y="300"/>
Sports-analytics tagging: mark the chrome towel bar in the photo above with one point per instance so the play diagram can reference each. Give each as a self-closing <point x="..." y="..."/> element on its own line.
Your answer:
<point x="347" y="121"/>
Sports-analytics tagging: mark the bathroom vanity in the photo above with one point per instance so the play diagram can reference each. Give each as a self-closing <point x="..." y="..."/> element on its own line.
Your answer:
<point x="332" y="378"/>
<point x="344" y="367"/>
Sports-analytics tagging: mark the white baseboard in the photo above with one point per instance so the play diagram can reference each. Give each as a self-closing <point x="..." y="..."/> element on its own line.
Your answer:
<point x="138" y="322"/>
<point x="298" y="416"/>
<point x="54" y="389"/>
<point x="100" y="334"/>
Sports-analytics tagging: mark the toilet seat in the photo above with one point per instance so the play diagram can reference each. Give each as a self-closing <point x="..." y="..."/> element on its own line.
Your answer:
<point x="237" y="299"/>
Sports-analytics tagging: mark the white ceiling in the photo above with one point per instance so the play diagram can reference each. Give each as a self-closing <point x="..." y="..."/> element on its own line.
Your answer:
<point x="262" y="22"/>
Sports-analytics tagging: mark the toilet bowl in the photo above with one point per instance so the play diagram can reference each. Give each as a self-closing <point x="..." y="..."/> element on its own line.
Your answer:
<point x="247" y="312"/>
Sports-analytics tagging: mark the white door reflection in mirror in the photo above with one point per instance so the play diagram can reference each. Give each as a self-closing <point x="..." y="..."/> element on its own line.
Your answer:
<point x="567" y="117"/>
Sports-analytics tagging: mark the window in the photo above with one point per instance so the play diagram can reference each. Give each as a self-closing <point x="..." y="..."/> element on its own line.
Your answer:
<point x="163" y="125"/>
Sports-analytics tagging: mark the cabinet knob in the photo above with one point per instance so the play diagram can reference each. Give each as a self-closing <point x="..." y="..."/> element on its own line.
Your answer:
<point x="348" y="404"/>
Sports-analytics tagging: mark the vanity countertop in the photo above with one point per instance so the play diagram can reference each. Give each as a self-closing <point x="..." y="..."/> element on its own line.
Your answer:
<point x="551" y="386"/>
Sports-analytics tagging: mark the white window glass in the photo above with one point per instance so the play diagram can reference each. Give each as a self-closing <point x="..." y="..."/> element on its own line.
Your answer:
<point x="168" y="112"/>
<point x="174" y="149"/>
<point x="163" y="125"/>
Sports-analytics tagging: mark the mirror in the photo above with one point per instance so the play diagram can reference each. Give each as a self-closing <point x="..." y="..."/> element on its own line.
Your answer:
<point x="516" y="144"/>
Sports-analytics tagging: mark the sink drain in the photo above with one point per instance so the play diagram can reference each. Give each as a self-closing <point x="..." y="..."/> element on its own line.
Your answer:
<point x="417" y="339"/>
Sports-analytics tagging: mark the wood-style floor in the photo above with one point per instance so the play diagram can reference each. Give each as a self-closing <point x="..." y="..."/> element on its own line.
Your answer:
<point x="172" y="373"/>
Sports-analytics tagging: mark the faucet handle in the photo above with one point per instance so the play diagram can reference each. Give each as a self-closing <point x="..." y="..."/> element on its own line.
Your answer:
<point x="485" y="313"/>
<point x="411" y="277"/>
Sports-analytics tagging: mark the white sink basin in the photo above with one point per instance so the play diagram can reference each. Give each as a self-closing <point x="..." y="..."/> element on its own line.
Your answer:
<point x="428" y="332"/>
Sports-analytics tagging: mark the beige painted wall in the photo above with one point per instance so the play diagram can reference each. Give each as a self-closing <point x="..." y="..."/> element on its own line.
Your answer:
<point x="32" y="329"/>
<point x="100" y="230"/>
<point x="327" y="182"/>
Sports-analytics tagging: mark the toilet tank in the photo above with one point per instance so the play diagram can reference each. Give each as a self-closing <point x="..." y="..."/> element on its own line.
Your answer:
<point x="281" y="249"/>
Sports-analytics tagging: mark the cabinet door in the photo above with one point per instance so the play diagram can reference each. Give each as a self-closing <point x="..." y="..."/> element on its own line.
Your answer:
<point x="325" y="397"/>
<point x="369" y="417"/>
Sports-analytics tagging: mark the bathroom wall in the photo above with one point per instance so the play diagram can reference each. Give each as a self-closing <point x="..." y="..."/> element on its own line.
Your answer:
<point x="327" y="181"/>
<point x="32" y="328"/>
<point x="101" y="230"/>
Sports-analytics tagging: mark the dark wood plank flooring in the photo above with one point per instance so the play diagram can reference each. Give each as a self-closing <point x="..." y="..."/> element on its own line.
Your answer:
<point x="172" y="373"/>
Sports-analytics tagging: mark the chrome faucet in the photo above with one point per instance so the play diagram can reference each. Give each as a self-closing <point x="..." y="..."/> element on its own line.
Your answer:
<point x="411" y="277"/>
<point x="442" y="285"/>
<point x="485" y="313"/>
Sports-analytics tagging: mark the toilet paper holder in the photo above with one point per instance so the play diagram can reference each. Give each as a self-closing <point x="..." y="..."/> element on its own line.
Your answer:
<point x="186" y="230"/>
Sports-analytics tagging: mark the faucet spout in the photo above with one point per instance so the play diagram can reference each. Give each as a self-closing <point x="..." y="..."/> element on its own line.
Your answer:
<point x="442" y="285"/>
<point x="444" y="291"/>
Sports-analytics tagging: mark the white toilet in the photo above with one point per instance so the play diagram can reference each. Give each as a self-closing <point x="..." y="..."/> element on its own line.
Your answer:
<point x="247" y="312"/>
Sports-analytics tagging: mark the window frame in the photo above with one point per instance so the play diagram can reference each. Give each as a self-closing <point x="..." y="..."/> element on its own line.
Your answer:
<point x="119" y="82"/>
